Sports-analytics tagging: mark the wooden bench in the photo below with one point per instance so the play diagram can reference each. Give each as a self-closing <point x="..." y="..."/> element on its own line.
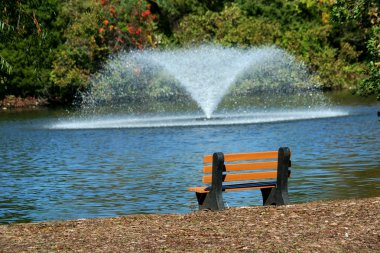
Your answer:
<point x="267" y="171"/>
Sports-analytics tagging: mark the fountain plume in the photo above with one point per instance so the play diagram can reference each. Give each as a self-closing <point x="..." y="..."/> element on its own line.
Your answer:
<point x="203" y="74"/>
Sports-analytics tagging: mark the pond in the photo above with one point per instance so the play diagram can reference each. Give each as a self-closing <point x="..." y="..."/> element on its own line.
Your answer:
<point x="52" y="173"/>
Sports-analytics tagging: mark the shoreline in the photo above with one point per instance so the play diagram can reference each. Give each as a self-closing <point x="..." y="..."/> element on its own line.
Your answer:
<point x="18" y="103"/>
<point x="351" y="225"/>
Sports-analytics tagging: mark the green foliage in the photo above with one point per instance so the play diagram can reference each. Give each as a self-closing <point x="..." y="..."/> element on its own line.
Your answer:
<point x="176" y="9"/>
<point x="289" y="12"/>
<point x="5" y="66"/>
<point x="228" y="27"/>
<point x="96" y="29"/>
<point x="51" y="48"/>
<point x="371" y="85"/>
<point x="82" y="53"/>
<point x="235" y="28"/>
<point x="361" y="20"/>
<point x="27" y="42"/>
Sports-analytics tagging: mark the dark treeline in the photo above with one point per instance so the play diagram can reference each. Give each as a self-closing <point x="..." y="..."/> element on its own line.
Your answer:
<point x="49" y="49"/>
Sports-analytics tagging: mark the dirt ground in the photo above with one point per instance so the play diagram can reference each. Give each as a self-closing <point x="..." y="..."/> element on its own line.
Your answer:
<point x="326" y="226"/>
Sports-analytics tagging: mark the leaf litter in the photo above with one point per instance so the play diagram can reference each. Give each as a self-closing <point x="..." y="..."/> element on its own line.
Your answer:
<point x="324" y="226"/>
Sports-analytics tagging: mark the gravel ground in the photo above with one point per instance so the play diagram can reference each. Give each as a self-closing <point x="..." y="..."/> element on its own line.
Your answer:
<point x="326" y="226"/>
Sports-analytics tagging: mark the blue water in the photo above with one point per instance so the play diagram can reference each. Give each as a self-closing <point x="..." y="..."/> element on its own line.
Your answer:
<point x="50" y="173"/>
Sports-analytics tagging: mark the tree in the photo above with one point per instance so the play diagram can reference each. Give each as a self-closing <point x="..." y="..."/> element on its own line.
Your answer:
<point x="128" y="24"/>
<point x="4" y="64"/>
<point x="360" y="22"/>
<point x="95" y="30"/>
<point x="82" y="52"/>
<point x="27" y="44"/>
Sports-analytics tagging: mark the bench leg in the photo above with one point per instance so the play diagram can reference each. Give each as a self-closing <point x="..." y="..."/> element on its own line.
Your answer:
<point x="265" y="192"/>
<point x="279" y="195"/>
<point x="213" y="199"/>
<point x="210" y="201"/>
<point x="200" y="197"/>
<point x="275" y="196"/>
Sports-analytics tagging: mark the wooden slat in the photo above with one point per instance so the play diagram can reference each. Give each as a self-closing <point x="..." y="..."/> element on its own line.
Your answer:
<point x="245" y="166"/>
<point x="207" y="169"/>
<point x="244" y="156"/>
<point x="251" y="166"/>
<point x="244" y="176"/>
<point x="200" y="189"/>
<point x="251" y="156"/>
<point x="207" y="159"/>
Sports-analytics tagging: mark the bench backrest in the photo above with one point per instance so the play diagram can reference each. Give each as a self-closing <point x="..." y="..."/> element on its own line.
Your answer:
<point x="250" y="169"/>
<point x="246" y="166"/>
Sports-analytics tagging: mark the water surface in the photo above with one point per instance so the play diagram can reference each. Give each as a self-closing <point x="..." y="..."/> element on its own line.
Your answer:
<point x="52" y="173"/>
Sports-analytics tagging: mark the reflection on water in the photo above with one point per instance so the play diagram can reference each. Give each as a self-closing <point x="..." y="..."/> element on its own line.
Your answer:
<point x="54" y="174"/>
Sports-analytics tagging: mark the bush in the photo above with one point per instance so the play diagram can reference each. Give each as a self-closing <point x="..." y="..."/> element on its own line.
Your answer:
<point x="230" y="27"/>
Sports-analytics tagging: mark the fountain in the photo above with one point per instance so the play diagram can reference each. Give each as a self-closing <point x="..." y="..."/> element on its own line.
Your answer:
<point x="205" y="85"/>
<point x="206" y="72"/>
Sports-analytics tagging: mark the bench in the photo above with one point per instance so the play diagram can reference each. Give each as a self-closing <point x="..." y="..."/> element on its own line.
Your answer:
<point x="267" y="171"/>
